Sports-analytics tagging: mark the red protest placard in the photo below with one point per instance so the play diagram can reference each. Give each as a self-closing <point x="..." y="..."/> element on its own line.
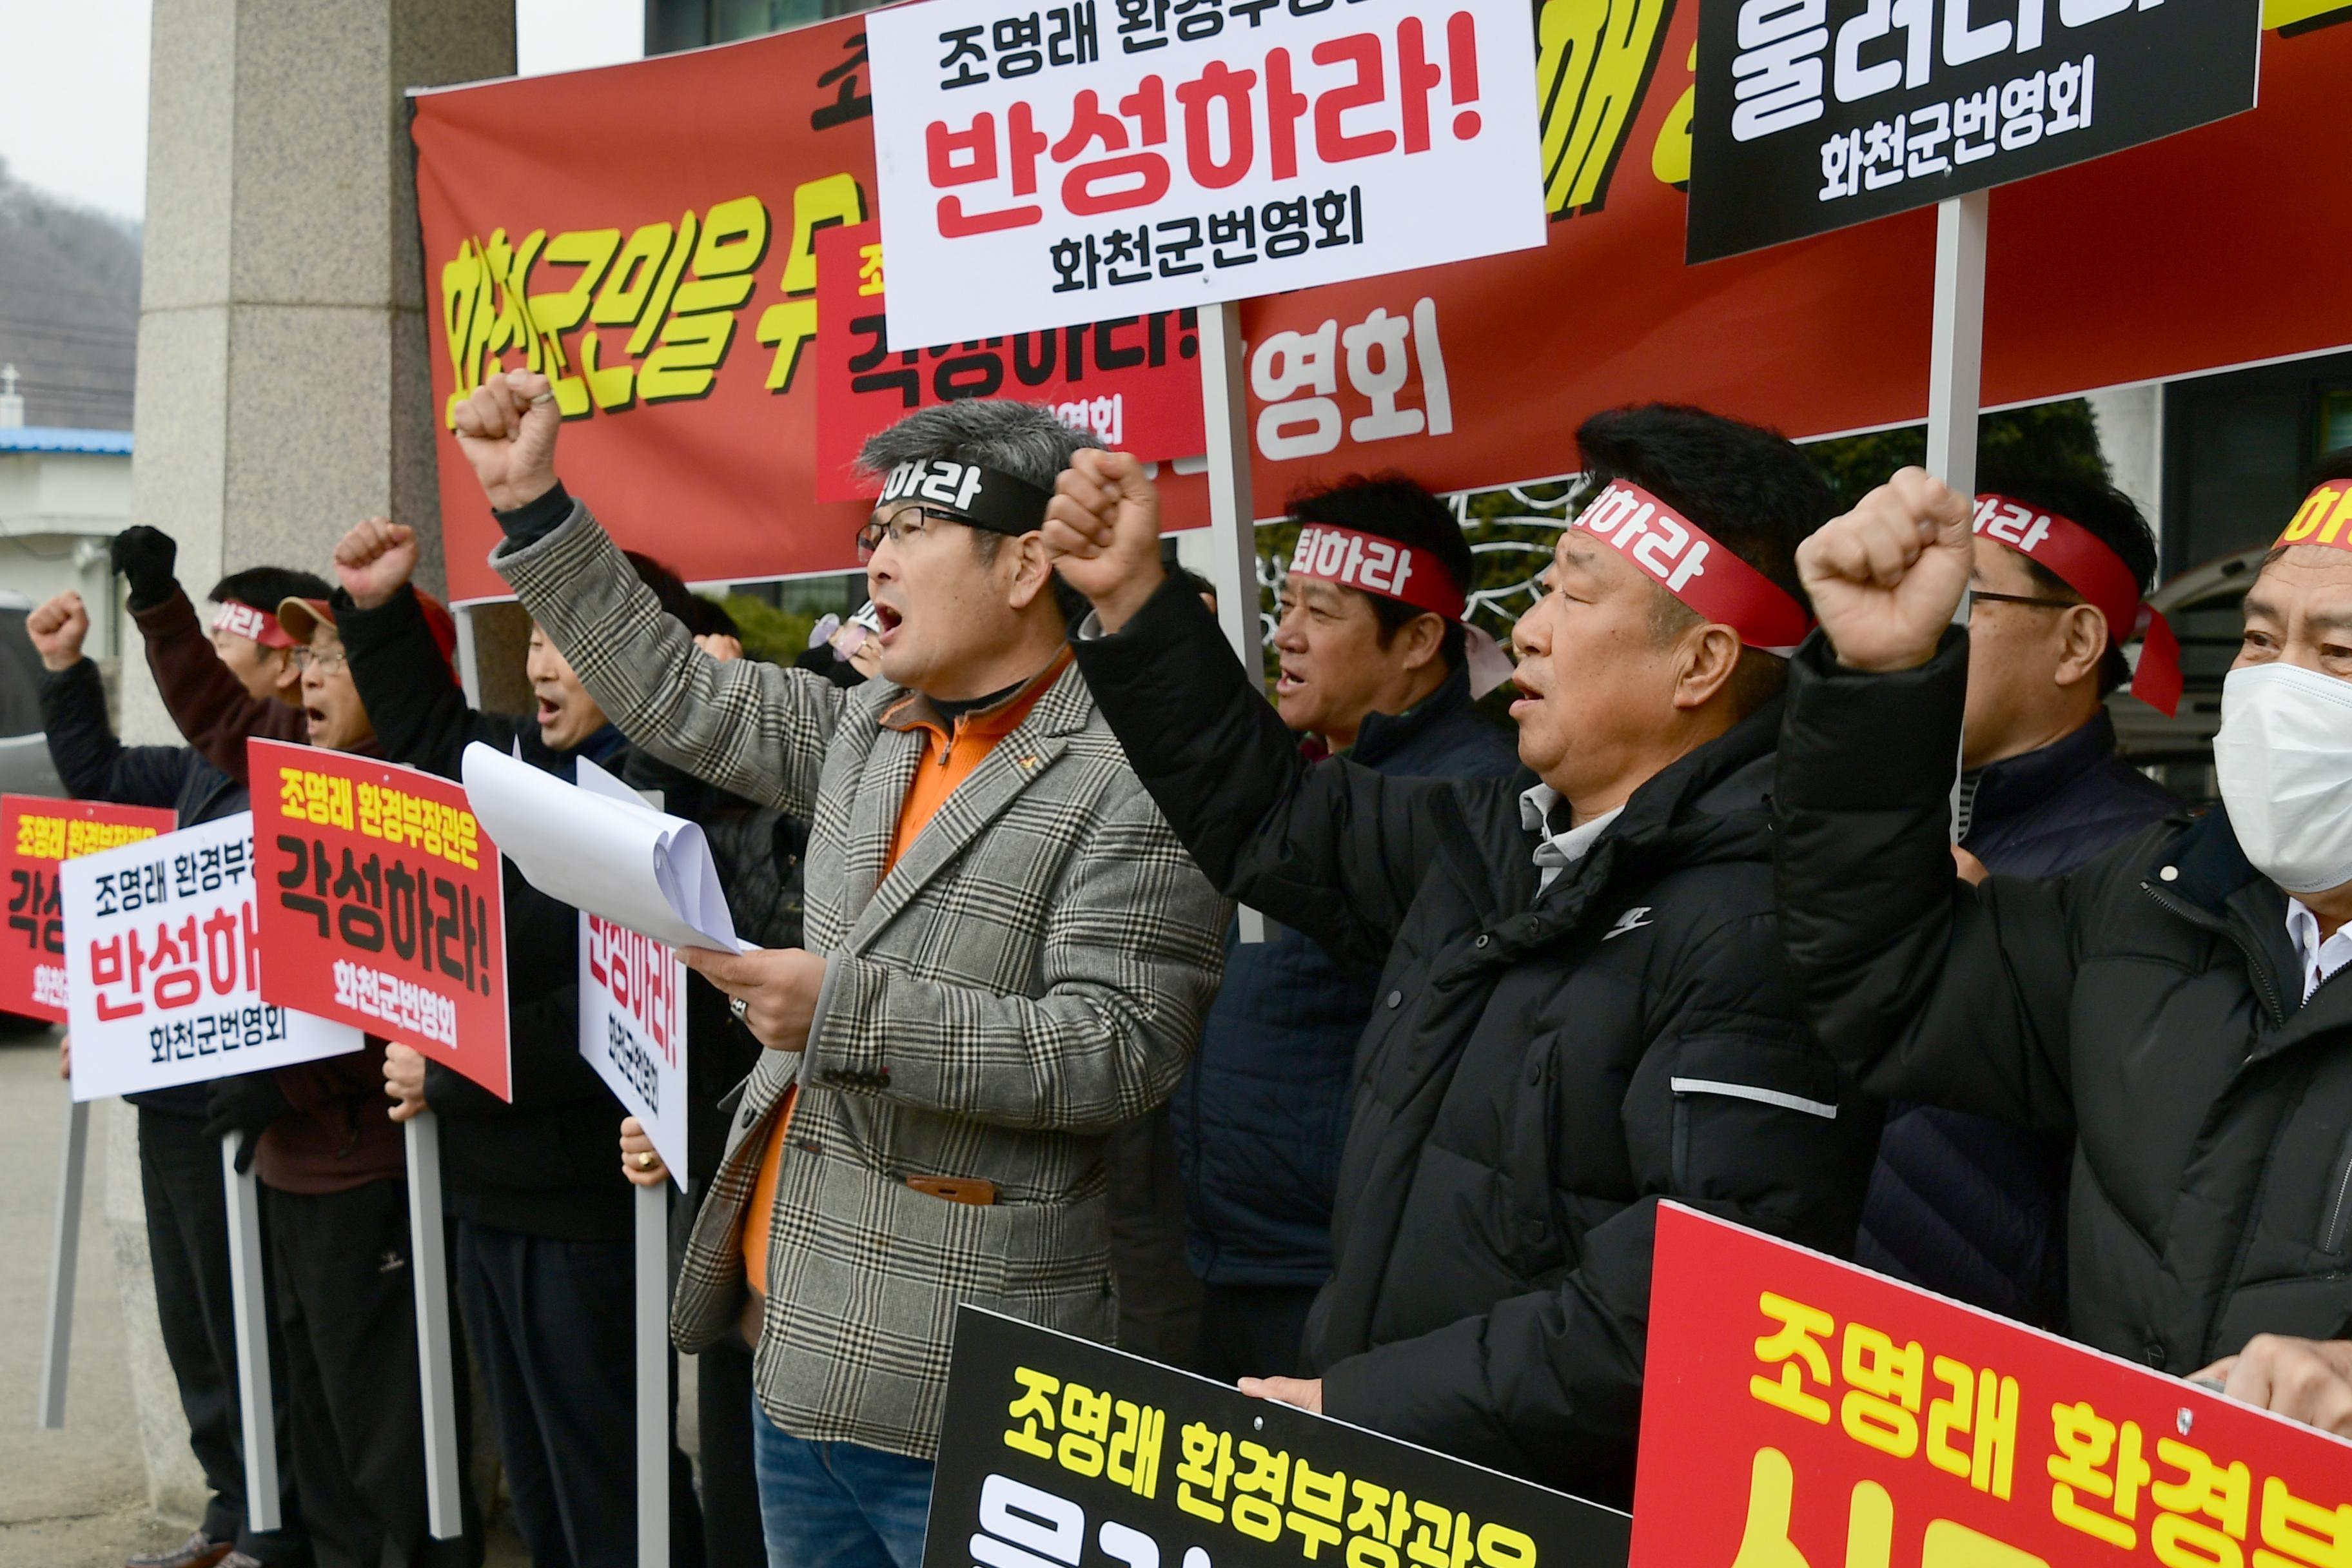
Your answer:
<point x="1803" y="1412"/>
<point x="35" y="835"/>
<point x="381" y="905"/>
<point x="1134" y="381"/>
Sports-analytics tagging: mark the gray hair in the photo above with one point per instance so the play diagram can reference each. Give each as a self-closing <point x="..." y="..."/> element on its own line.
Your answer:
<point x="1026" y="440"/>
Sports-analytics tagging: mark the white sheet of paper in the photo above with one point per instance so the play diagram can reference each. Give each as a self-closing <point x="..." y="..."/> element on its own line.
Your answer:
<point x="610" y="855"/>
<point x="164" y="967"/>
<point x="633" y="1013"/>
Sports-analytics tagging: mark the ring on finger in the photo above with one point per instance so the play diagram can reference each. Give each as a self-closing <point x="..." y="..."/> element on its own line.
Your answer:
<point x="739" y="1005"/>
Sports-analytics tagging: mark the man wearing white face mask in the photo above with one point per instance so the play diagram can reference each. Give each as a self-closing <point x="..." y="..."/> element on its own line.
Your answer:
<point x="2175" y="1005"/>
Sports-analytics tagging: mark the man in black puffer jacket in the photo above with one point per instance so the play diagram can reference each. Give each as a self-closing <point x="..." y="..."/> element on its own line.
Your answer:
<point x="1584" y="1008"/>
<point x="543" y="1267"/>
<point x="1961" y="1203"/>
<point x="2176" y="1007"/>
<point x="1260" y="1119"/>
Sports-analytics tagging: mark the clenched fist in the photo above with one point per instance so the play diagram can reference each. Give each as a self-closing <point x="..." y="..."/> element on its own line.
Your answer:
<point x="1885" y="577"/>
<point x="1103" y="529"/>
<point x="506" y="430"/>
<point x="57" y="629"/>
<point x="374" y="559"/>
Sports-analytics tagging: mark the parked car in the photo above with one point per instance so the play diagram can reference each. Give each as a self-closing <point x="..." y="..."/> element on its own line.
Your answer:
<point x="2202" y="604"/>
<point x="24" y="765"/>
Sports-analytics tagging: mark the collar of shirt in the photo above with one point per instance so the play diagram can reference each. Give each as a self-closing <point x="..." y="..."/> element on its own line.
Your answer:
<point x="2320" y="959"/>
<point x="1556" y="852"/>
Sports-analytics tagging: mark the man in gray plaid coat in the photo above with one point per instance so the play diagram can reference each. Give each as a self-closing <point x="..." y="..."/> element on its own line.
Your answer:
<point x="1009" y="954"/>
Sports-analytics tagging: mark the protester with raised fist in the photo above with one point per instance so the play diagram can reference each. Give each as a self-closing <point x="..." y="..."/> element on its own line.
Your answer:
<point x="335" y="1215"/>
<point x="1582" y="1007"/>
<point x="1008" y="955"/>
<point x="2176" y="1007"/>
<point x="1969" y="1208"/>
<point x="542" y="1262"/>
<point x="252" y="685"/>
<point x="1379" y="670"/>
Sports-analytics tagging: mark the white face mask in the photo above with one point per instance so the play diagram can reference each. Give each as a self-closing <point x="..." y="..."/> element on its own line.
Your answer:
<point x="2284" y="757"/>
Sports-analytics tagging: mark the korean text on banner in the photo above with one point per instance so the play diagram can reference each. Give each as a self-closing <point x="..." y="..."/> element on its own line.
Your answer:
<point x="165" y="947"/>
<point x="1813" y="114"/>
<point x="633" y="1013"/>
<point x="1075" y="1451"/>
<point x="1134" y="381"/>
<point x="1039" y="166"/>
<point x="37" y="836"/>
<point x="1803" y="1412"/>
<point x="382" y="904"/>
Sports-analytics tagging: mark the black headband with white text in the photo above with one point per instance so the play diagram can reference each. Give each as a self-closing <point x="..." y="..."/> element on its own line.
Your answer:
<point x="969" y="492"/>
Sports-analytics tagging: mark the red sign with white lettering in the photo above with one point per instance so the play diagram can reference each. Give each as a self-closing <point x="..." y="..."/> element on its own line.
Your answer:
<point x="36" y="835"/>
<point x="381" y="905"/>
<point x="1799" y="1411"/>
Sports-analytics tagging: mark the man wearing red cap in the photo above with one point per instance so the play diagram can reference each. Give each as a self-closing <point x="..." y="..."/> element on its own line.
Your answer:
<point x="2176" y="1007"/>
<point x="1584" y="1008"/>
<point x="1961" y="1205"/>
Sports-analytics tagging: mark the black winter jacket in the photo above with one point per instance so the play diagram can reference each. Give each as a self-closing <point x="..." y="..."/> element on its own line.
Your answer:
<point x="2146" y="1005"/>
<point x="1541" y="1070"/>
<point x="1260" y="1118"/>
<point x="93" y="763"/>
<point x="549" y="1164"/>
<point x="1968" y="1206"/>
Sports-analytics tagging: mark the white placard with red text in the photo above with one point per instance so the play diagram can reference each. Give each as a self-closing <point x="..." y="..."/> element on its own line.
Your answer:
<point x="633" y="1013"/>
<point x="1044" y="164"/>
<point x="164" y="962"/>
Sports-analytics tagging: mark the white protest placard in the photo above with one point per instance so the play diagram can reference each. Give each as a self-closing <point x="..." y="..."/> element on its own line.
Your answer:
<point x="633" y="1012"/>
<point x="164" y="967"/>
<point x="610" y="855"/>
<point x="1080" y="161"/>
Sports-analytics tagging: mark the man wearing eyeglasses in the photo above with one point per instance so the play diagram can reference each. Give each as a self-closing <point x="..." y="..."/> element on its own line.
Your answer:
<point x="1008" y="953"/>
<point x="1966" y="1206"/>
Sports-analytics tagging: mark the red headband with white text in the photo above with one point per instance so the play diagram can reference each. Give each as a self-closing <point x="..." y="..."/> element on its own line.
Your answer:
<point x="1377" y="565"/>
<point x="1683" y="559"/>
<point x="2079" y="559"/>
<point x="2323" y="517"/>
<point x="250" y="621"/>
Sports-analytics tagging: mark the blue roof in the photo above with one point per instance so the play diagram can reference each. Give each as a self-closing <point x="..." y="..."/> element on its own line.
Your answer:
<point x="56" y="439"/>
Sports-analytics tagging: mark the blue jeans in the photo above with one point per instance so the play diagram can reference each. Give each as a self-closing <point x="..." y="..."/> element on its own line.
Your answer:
<point x="837" y="1505"/>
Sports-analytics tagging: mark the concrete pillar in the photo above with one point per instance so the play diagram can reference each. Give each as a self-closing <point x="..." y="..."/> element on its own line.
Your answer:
<point x="283" y="386"/>
<point x="2130" y="421"/>
<point x="283" y="391"/>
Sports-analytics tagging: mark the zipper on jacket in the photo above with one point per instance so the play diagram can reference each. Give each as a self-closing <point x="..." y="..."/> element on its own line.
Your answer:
<point x="2338" y="1217"/>
<point x="2255" y="963"/>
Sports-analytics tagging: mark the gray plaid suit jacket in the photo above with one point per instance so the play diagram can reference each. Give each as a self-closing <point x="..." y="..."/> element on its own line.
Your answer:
<point x="1032" y="972"/>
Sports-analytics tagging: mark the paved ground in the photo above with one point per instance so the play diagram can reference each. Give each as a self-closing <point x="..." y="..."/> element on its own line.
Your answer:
<point x="75" y="1497"/>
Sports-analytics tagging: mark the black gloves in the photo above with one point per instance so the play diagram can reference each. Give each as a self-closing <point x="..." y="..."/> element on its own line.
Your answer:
<point x="144" y="556"/>
<point x="248" y="1103"/>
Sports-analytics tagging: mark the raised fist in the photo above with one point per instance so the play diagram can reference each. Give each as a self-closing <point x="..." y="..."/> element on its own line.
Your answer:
<point x="1885" y="577"/>
<point x="506" y="430"/>
<point x="146" y="557"/>
<point x="57" y="629"/>
<point x="374" y="559"/>
<point x="1103" y="529"/>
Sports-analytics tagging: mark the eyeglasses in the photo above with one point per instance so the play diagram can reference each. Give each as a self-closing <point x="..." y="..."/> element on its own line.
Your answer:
<point x="326" y="663"/>
<point x="1979" y="596"/>
<point x="900" y="528"/>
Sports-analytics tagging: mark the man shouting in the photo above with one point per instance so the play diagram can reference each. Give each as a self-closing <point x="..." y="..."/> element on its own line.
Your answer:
<point x="1008" y="955"/>
<point x="2176" y="1006"/>
<point x="1584" y="1007"/>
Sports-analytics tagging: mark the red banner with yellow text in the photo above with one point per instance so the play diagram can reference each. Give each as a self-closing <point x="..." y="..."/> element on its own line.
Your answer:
<point x="648" y="235"/>
<point x="1800" y="1412"/>
<point x="381" y="905"/>
<point x="36" y="835"/>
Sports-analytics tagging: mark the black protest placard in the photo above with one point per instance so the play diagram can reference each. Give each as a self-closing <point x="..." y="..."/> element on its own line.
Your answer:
<point x="1815" y="114"/>
<point x="1060" y="1453"/>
